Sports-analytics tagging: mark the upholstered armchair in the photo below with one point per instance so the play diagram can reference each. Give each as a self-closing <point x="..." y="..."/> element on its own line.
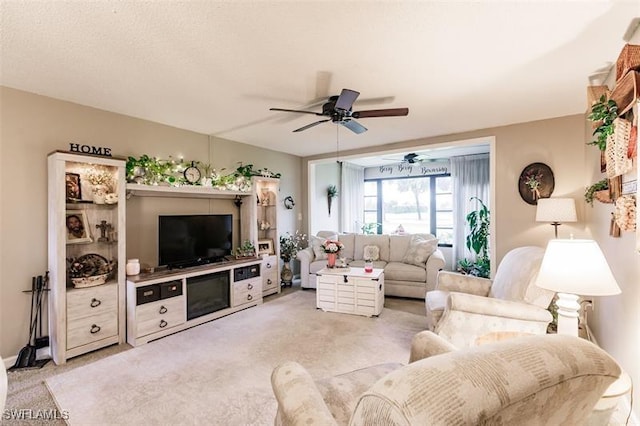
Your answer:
<point x="463" y="307"/>
<point x="532" y="380"/>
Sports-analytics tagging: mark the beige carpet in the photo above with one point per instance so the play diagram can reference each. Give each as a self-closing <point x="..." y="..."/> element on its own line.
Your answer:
<point x="219" y="372"/>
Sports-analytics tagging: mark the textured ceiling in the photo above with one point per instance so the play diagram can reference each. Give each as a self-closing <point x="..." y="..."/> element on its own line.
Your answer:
<point x="216" y="67"/>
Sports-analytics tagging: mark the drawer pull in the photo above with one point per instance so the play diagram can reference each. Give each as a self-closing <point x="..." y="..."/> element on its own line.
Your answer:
<point x="249" y="286"/>
<point x="95" y="329"/>
<point x="249" y="297"/>
<point x="163" y="323"/>
<point x="269" y="281"/>
<point x="95" y="302"/>
<point x="163" y="309"/>
<point x="268" y="266"/>
<point x="346" y="278"/>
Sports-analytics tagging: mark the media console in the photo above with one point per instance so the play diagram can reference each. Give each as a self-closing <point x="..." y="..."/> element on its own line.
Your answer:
<point x="169" y="301"/>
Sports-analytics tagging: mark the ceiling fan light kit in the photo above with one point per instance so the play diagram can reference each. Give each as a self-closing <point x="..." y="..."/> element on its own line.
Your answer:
<point x="338" y="109"/>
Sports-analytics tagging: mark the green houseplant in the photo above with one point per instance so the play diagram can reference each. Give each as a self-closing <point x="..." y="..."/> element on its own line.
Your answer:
<point x="590" y="192"/>
<point x="603" y="112"/>
<point x="477" y="242"/>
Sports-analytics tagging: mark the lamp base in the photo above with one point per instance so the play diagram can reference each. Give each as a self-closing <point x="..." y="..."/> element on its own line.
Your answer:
<point x="568" y="308"/>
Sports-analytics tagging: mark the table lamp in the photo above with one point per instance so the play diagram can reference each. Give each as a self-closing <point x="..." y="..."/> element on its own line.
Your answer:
<point x="572" y="268"/>
<point x="556" y="210"/>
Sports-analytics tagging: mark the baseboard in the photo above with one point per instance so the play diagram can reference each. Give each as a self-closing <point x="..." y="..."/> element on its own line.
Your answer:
<point x="9" y="362"/>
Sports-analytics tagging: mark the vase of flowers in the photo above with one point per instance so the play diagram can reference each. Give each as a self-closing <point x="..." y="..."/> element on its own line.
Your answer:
<point x="289" y="247"/>
<point x="332" y="248"/>
<point x="101" y="182"/>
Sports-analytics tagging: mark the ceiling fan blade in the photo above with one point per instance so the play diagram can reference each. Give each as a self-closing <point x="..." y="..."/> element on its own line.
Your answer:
<point x="354" y="126"/>
<point x="346" y="99"/>
<point x="308" y="126"/>
<point x="390" y="112"/>
<point x="294" y="110"/>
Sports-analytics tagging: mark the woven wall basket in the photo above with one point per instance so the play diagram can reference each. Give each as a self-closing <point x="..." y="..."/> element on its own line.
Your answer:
<point x="618" y="163"/>
<point x="625" y="212"/>
<point x="629" y="59"/>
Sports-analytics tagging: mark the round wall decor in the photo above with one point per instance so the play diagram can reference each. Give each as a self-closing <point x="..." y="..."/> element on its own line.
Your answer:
<point x="536" y="181"/>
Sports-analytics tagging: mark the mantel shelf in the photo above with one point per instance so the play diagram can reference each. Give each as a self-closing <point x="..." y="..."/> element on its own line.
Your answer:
<point x="140" y="190"/>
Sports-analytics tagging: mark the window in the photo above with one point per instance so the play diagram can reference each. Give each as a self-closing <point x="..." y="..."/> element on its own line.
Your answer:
<point x="416" y="205"/>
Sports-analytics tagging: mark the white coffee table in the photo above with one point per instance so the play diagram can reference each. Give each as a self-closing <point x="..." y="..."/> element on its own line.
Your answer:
<point x="350" y="291"/>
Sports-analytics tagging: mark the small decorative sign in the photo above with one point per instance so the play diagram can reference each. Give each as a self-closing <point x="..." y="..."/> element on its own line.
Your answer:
<point x="89" y="149"/>
<point x="391" y="171"/>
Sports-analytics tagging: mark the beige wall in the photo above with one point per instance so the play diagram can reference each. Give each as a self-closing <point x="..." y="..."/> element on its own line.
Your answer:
<point x="32" y="126"/>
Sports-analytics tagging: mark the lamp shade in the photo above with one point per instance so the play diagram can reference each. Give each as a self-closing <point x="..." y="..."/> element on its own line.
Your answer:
<point x="576" y="267"/>
<point x="556" y="210"/>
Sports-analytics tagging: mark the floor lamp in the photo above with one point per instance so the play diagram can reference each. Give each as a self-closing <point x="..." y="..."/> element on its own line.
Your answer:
<point x="556" y="211"/>
<point x="572" y="268"/>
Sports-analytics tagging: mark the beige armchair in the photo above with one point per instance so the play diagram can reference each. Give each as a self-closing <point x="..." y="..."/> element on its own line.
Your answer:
<point x="463" y="307"/>
<point x="533" y="380"/>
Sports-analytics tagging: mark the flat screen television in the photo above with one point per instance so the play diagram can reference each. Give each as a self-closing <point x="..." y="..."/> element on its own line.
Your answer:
<point x="189" y="240"/>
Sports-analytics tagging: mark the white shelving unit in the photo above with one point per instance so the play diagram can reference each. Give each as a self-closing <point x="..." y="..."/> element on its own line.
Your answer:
<point x="85" y="317"/>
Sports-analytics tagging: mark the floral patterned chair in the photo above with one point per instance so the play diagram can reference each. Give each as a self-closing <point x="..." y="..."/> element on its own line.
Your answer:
<point x="532" y="380"/>
<point x="463" y="308"/>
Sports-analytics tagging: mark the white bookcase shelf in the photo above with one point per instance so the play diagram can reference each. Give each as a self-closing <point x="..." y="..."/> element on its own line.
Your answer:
<point x="140" y="190"/>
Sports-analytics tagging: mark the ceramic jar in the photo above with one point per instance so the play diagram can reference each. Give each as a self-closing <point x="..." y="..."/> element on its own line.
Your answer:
<point x="133" y="267"/>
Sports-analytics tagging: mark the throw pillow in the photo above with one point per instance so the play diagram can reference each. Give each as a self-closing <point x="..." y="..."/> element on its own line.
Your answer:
<point x="419" y="250"/>
<point x="316" y="245"/>
<point x="371" y="253"/>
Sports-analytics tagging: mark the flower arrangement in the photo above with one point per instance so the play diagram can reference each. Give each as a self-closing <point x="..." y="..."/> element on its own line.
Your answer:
<point x="533" y="180"/>
<point x="332" y="246"/>
<point x="100" y="178"/>
<point x="290" y="245"/>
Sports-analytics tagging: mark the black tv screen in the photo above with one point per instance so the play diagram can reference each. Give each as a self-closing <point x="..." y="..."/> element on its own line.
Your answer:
<point x="193" y="239"/>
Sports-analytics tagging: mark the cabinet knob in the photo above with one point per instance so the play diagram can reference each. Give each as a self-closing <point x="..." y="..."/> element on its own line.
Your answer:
<point x="269" y="281"/>
<point x="249" y="297"/>
<point x="346" y="278"/>
<point x="249" y="286"/>
<point x="95" y="329"/>
<point x="163" y="309"/>
<point x="95" y="302"/>
<point x="163" y="323"/>
<point x="268" y="266"/>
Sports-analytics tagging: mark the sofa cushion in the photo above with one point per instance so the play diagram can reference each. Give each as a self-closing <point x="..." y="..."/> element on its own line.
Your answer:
<point x="349" y="242"/>
<point x="398" y="271"/>
<point x="362" y="240"/>
<point x="371" y="252"/>
<point x="419" y="250"/>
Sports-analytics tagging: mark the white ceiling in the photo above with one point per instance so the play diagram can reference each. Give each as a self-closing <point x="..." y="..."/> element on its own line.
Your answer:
<point x="216" y="67"/>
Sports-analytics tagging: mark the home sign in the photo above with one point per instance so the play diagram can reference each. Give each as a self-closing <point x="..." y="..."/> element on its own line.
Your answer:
<point x="89" y="149"/>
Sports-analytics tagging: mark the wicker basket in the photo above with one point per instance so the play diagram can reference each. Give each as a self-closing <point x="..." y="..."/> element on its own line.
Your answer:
<point x="618" y="163"/>
<point x="629" y="59"/>
<point x="89" y="281"/>
<point x="626" y="92"/>
<point x="603" y="196"/>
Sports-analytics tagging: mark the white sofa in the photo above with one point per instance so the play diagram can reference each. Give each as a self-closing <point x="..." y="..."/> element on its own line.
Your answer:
<point x="400" y="278"/>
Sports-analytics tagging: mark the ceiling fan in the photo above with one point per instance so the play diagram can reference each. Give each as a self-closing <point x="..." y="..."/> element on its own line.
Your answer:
<point x="338" y="110"/>
<point x="411" y="158"/>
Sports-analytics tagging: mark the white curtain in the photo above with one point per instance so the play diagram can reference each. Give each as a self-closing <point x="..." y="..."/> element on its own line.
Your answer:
<point x="351" y="197"/>
<point x="470" y="178"/>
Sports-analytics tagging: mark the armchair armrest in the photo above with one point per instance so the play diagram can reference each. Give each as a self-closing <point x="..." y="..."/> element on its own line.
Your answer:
<point x="454" y="282"/>
<point x="299" y="400"/>
<point x="426" y="344"/>
<point x="489" y="306"/>
<point x="305" y="257"/>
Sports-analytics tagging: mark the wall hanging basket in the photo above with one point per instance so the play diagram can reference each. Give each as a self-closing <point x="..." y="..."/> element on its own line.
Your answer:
<point x="616" y="153"/>
<point x="629" y="59"/>
<point x="625" y="212"/>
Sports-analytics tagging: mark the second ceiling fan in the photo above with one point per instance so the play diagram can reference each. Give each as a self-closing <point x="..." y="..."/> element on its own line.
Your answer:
<point x="338" y="110"/>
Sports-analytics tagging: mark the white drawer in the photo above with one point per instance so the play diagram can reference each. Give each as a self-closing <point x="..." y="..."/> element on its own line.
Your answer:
<point x="160" y="315"/>
<point x="246" y="291"/>
<point x="270" y="280"/>
<point x="86" y="330"/>
<point x="92" y="301"/>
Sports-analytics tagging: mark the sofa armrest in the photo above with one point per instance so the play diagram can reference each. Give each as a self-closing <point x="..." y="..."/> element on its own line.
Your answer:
<point x="426" y="344"/>
<point x="434" y="264"/>
<point x="455" y="282"/>
<point x="299" y="400"/>
<point x="489" y="306"/>
<point x="305" y="257"/>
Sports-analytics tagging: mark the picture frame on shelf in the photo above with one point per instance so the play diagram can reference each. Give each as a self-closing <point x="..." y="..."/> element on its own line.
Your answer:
<point x="265" y="246"/>
<point x="77" y="227"/>
<point x="72" y="186"/>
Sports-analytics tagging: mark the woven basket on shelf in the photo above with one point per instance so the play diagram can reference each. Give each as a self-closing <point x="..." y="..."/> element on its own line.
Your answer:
<point x="618" y="162"/>
<point x="628" y="59"/>
<point x="603" y="196"/>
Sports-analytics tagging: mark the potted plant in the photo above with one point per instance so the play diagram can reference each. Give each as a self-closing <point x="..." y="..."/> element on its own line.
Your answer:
<point x="599" y="191"/>
<point x="246" y="249"/>
<point x="289" y="247"/>
<point x="477" y="242"/>
<point x="603" y="113"/>
<point x="332" y="192"/>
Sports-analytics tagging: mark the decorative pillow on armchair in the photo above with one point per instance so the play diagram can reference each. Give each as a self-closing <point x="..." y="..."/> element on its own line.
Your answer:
<point x="316" y="245"/>
<point x="419" y="250"/>
<point x="371" y="253"/>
